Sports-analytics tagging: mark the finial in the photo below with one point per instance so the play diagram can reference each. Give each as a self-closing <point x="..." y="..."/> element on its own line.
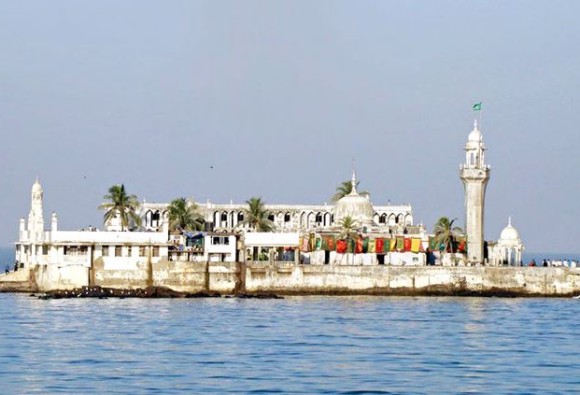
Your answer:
<point x="510" y="221"/>
<point x="475" y="124"/>
<point x="353" y="181"/>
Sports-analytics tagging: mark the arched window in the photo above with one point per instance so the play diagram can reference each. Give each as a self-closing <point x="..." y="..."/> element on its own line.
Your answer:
<point x="271" y="217"/>
<point x="224" y="217"/>
<point x="287" y="217"/>
<point x="240" y="216"/>
<point x="155" y="219"/>
<point x="318" y="218"/>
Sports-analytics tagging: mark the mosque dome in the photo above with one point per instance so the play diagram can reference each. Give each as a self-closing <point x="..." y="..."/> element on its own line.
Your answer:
<point x="356" y="206"/>
<point x="510" y="234"/>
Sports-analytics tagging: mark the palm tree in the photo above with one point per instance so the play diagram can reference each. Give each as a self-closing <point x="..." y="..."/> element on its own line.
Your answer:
<point x="446" y="234"/>
<point x="344" y="189"/>
<point x="256" y="216"/>
<point x="348" y="230"/>
<point x="184" y="215"/>
<point x="122" y="205"/>
<point x="348" y="227"/>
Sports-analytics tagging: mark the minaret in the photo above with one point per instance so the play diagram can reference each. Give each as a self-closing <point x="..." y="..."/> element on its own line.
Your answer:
<point x="36" y="215"/>
<point x="475" y="174"/>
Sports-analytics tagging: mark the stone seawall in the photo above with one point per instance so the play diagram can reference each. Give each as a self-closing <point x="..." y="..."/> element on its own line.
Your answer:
<point x="292" y="279"/>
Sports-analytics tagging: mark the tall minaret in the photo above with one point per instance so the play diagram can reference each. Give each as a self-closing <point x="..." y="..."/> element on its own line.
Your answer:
<point x="36" y="215"/>
<point x="475" y="174"/>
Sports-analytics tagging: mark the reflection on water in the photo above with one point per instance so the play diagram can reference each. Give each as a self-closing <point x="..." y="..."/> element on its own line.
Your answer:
<point x="348" y="345"/>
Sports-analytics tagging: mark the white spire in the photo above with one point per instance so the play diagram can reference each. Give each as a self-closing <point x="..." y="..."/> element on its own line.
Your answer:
<point x="353" y="181"/>
<point x="510" y="220"/>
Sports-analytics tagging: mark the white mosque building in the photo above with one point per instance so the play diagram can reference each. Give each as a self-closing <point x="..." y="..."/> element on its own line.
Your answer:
<point x="303" y="233"/>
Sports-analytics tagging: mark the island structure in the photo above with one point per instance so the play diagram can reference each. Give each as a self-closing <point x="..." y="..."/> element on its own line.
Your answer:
<point x="349" y="247"/>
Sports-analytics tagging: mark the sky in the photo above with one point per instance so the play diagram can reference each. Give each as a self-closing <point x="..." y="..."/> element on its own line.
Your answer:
<point x="225" y="100"/>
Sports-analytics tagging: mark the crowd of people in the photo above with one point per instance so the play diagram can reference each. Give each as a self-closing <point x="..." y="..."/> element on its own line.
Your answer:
<point x="556" y="263"/>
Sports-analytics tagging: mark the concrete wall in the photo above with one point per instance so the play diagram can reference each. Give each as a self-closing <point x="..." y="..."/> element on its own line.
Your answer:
<point x="289" y="278"/>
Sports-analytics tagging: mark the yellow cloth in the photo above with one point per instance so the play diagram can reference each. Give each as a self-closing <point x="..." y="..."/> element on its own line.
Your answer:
<point x="415" y="245"/>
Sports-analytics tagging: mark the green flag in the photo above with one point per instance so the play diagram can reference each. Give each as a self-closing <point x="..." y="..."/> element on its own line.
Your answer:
<point x="477" y="106"/>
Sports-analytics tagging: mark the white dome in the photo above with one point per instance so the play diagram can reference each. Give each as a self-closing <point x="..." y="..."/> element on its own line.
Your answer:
<point x="356" y="206"/>
<point x="510" y="234"/>
<point x="475" y="135"/>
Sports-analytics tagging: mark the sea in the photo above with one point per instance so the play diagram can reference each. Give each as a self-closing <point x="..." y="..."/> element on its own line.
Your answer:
<point x="297" y="345"/>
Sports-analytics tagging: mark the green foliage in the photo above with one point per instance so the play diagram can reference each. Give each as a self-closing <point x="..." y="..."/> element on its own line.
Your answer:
<point x="348" y="228"/>
<point x="344" y="189"/>
<point x="256" y="216"/>
<point x="122" y="205"/>
<point x="184" y="215"/>
<point x="446" y="234"/>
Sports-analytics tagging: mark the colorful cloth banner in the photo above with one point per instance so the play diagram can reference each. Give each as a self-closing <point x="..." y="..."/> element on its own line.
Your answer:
<point x="351" y="246"/>
<point x="312" y="242"/>
<point x="330" y="243"/>
<point x="359" y="246"/>
<point x="462" y="245"/>
<point x="318" y="243"/>
<point x="372" y="246"/>
<point x="393" y="245"/>
<point x="415" y="245"/>
<point x="400" y="243"/>
<point x="407" y="244"/>
<point x="379" y="245"/>
<point x="341" y="246"/>
<point x="304" y="244"/>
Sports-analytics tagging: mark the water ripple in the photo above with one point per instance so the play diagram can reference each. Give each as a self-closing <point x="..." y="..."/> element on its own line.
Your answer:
<point x="299" y="345"/>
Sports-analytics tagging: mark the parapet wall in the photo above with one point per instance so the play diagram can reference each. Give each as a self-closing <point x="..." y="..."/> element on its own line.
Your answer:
<point x="289" y="279"/>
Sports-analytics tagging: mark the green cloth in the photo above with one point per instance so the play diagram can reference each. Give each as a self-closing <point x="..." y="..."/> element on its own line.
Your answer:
<point x="477" y="106"/>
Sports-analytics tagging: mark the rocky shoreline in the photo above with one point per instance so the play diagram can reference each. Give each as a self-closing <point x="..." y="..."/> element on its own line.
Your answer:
<point x="147" y="293"/>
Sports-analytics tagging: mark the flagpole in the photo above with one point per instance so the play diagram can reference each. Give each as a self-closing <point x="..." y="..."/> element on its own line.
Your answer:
<point x="480" y="114"/>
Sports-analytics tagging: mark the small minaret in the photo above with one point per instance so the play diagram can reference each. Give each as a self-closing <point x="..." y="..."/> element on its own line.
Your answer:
<point x="475" y="174"/>
<point x="54" y="223"/>
<point x="36" y="215"/>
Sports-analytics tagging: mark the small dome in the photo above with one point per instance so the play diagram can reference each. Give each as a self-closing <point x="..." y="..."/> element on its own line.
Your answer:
<point x="510" y="234"/>
<point x="36" y="188"/>
<point x="475" y="135"/>
<point x="356" y="206"/>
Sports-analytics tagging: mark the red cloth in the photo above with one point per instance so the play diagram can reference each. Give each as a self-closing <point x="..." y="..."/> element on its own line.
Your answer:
<point x="330" y="243"/>
<point x="341" y="246"/>
<point x="359" y="246"/>
<point x="379" y="245"/>
<point x="407" y="244"/>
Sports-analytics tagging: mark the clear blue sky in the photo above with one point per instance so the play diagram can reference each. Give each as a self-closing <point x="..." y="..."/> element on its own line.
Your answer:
<point x="279" y="96"/>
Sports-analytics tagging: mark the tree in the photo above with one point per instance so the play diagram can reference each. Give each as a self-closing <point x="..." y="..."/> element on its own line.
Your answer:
<point x="348" y="230"/>
<point x="446" y="234"/>
<point x="256" y="216"/>
<point x="184" y="215"/>
<point x="121" y="205"/>
<point x="348" y="227"/>
<point x="344" y="189"/>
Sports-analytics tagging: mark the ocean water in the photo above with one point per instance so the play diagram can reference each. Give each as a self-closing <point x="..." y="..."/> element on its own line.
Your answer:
<point x="298" y="345"/>
<point x="6" y="257"/>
